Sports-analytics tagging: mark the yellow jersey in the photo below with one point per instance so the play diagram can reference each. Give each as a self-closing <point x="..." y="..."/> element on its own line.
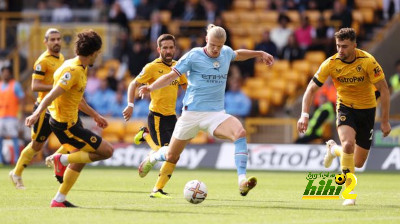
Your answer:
<point x="352" y="80"/>
<point x="163" y="100"/>
<point x="44" y="68"/>
<point x="72" y="77"/>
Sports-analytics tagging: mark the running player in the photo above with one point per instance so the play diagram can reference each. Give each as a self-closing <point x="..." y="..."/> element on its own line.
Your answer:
<point x="42" y="82"/>
<point x="162" y="117"/>
<point x="354" y="73"/>
<point x="66" y="98"/>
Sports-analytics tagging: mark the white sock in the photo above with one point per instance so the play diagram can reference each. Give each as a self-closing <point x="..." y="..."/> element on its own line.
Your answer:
<point x="241" y="177"/>
<point x="59" y="197"/>
<point x="64" y="159"/>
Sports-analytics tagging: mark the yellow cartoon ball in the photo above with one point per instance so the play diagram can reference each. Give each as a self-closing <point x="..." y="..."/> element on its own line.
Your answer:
<point x="340" y="179"/>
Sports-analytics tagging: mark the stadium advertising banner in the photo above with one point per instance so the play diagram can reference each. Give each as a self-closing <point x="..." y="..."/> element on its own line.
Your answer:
<point x="261" y="157"/>
<point x="392" y="140"/>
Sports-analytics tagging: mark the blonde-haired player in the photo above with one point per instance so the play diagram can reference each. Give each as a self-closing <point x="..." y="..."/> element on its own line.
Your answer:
<point x="203" y="106"/>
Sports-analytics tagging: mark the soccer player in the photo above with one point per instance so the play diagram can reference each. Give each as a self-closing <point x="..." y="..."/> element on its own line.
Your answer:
<point x="354" y="73"/>
<point x="162" y="117"/>
<point x="42" y="82"/>
<point x="66" y="98"/>
<point x="203" y="106"/>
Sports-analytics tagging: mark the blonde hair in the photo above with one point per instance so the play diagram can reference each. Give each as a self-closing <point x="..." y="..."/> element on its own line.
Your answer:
<point x="216" y="31"/>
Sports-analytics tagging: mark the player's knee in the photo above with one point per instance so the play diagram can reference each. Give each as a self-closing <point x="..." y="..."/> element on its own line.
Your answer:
<point x="348" y="146"/>
<point x="240" y="133"/>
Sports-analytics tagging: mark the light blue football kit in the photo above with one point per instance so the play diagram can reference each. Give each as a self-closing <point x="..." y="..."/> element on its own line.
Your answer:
<point x="207" y="78"/>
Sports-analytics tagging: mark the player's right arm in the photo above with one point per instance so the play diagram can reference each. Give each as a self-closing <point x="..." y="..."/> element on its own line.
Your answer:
<point x="302" y="124"/>
<point x="53" y="94"/>
<point x="319" y="78"/>
<point x="127" y="113"/>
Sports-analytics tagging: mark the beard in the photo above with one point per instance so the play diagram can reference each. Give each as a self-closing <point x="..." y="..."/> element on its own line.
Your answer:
<point x="56" y="49"/>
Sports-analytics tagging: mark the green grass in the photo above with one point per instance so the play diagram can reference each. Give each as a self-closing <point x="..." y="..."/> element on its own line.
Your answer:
<point x="120" y="196"/>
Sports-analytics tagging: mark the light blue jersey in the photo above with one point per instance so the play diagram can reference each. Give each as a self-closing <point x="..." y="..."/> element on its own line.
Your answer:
<point x="206" y="78"/>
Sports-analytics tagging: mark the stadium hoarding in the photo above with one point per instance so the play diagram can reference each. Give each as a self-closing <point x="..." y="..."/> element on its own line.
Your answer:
<point x="261" y="157"/>
<point x="392" y="140"/>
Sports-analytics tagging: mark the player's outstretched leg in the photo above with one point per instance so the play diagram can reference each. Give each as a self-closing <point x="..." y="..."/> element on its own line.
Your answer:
<point x="241" y="156"/>
<point x="71" y="175"/>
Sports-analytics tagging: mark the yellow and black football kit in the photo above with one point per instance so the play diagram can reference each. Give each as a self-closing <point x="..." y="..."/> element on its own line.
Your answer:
<point x="44" y="69"/>
<point x="356" y="100"/>
<point x="162" y="116"/>
<point x="64" y="121"/>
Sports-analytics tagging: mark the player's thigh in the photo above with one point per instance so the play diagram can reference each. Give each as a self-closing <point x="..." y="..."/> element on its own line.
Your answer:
<point x="167" y="126"/>
<point x="41" y="131"/>
<point x="153" y="123"/>
<point x="346" y="126"/>
<point x="187" y="125"/>
<point x="365" y="127"/>
<point x="231" y="128"/>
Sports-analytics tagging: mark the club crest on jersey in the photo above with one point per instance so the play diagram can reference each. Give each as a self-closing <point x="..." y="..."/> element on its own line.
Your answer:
<point x="338" y="70"/>
<point x="358" y="68"/>
<point x="65" y="78"/>
<point x="216" y="65"/>
<point x="38" y="67"/>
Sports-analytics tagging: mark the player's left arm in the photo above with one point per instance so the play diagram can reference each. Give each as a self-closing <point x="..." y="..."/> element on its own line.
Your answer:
<point x="85" y="108"/>
<point x="385" y="106"/>
<point x="244" y="54"/>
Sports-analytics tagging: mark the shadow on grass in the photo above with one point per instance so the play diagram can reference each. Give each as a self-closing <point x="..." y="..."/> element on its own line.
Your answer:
<point x="258" y="206"/>
<point x="114" y="191"/>
<point x="156" y="211"/>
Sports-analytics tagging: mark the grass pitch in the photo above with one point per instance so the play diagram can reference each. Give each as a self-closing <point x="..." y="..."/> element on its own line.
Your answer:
<point x="109" y="195"/>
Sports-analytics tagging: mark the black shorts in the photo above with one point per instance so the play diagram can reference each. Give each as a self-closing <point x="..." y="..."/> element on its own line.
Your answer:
<point x="161" y="127"/>
<point x="41" y="129"/>
<point x="361" y="120"/>
<point x="76" y="135"/>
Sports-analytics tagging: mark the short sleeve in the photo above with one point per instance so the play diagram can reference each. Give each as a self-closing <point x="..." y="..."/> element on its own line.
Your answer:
<point x="231" y="53"/>
<point x="374" y="71"/>
<point x="322" y="74"/>
<point x="39" y="70"/>
<point x="67" y="80"/>
<point x="184" y="64"/>
<point x="144" y="75"/>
